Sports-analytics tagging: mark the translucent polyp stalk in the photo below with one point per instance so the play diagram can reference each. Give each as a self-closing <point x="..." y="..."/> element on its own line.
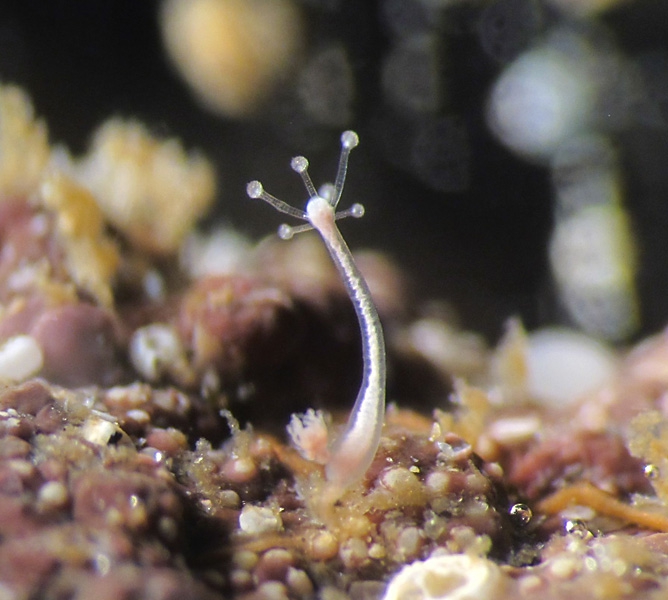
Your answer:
<point x="355" y="448"/>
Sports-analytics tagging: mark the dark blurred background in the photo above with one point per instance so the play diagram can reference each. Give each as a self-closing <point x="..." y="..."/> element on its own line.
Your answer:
<point x="469" y="220"/>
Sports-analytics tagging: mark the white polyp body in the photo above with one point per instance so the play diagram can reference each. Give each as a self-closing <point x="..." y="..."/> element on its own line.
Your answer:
<point x="351" y="454"/>
<point x="354" y="450"/>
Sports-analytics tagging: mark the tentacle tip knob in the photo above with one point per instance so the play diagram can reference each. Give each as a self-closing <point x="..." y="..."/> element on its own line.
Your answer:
<point x="285" y="232"/>
<point x="357" y="211"/>
<point x="254" y="189"/>
<point x="299" y="164"/>
<point x="349" y="139"/>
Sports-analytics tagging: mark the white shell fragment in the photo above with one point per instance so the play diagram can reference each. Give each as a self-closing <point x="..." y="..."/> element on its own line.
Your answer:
<point x="100" y="431"/>
<point x="446" y="577"/>
<point x="21" y="357"/>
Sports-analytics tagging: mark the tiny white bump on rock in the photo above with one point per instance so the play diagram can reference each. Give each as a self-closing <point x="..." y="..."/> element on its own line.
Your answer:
<point x="53" y="494"/>
<point x="141" y="417"/>
<point x="565" y="567"/>
<point x="273" y="590"/>
<point x="299" y="582"/>
<point x="257" y="520"/>
<point x="353" y="553"/>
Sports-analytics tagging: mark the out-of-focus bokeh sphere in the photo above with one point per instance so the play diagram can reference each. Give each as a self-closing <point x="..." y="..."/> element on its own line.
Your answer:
<point x="232" y="52"/>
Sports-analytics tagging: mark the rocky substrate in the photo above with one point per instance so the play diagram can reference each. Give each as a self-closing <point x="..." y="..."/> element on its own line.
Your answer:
<point x="88" y="508"/>
<point x="145" y="396"/>
<point x="116" y="494"/>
